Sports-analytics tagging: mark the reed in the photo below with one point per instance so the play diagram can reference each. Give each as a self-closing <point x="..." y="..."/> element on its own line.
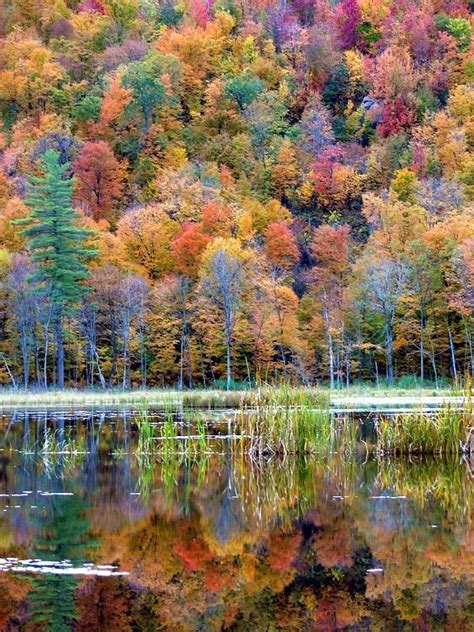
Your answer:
<point x="270" y="420"/>
<point x="445" y="431"/>
<point x="288" y="420"/>
<point x="187" y="436"/>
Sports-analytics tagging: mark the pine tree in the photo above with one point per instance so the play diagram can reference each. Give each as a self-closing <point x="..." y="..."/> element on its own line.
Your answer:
<point x="56" y="242"/>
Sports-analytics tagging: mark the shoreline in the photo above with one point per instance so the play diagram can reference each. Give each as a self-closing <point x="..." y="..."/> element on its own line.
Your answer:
<point x="354" y="398"/>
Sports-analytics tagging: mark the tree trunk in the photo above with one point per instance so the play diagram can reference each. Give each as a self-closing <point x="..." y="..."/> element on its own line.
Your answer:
<point x="452" y="355"/>
<point x="422" y="348"/>
<point x="348" y="364"/>
<point x="389" y="354"/>
<point x="228" y="345"/>
<point x="99" y="370"/>
<point x="25" y="355"/>
<point x="45" y="356"/>
<point x="114" y="345"/>
<point x="143" y="362"/>
<point x="469" y="346"/>
<point x="125" y="372"/>
<point x="330" y="342"/>
<point x="433" y="364"/>
<point x="36" y="359"/>
<point x="190" y="366"/>
<point x="2" y="355"/>
<point x="182" y="346"/>
<point x="58" y="325"/>
<point x="280" y="323"/>
<point x="228" y="365"/>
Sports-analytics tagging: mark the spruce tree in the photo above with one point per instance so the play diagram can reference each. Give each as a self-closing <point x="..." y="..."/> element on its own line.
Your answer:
<point x="56" y="242"/>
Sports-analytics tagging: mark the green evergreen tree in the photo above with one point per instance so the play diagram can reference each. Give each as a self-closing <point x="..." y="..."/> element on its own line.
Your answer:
<point x="56" y="243"/>
<point x="63" y="533"/>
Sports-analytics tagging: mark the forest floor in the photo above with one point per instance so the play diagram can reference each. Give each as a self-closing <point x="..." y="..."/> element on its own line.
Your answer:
<point x="354" y="397"/>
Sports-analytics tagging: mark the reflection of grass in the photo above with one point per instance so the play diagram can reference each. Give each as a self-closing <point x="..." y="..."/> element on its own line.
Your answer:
<point x="119" y="453"/>
<point x="176" y="468"/>
<point x="275" y="489"/>
<point x="444" y="480"/>
<point x="61" y="442"/>
<point x="56" y="448"/>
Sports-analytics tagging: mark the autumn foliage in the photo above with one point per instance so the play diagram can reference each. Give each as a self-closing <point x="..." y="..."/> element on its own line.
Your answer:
<point x="320" y="153"/>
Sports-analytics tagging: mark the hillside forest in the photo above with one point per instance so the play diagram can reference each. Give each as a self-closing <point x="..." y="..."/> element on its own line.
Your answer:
<point x="214" y="192"/>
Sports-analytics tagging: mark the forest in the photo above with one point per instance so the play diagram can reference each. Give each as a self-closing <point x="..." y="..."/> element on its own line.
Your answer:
<point x="206" y="193"/>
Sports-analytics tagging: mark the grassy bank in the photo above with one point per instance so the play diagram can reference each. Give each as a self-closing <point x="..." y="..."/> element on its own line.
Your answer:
<point x="205" y="398"/>
<point x="449" y="430"/>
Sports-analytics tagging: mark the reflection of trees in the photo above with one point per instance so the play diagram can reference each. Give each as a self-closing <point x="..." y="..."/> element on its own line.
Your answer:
<point x="225" y="541"/>
<point x="62" y="535"/>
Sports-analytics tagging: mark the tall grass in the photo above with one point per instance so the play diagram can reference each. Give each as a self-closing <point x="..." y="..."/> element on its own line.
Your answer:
<point x="286" y="420"/>
<point x="187" y="436"/>
<point x="269" y="420"/>
<point x="272" y="490"/>
<point x="445" y="431"/>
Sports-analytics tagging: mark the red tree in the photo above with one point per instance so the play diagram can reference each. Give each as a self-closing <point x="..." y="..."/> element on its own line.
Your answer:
<point x="188" y="247"/>
<point x="331" y="249"/>
<point x="281" y="248"/>
<point x="216" y="220"/>
<point x="99" y="180"/>
<point x="398" y="114"/>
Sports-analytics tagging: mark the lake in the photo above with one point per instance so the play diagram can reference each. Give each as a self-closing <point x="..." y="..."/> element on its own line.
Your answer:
<point x="95" y="536"/>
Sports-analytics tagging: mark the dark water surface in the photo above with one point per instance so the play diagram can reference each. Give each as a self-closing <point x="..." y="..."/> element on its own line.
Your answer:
<point x="96" y="537"/>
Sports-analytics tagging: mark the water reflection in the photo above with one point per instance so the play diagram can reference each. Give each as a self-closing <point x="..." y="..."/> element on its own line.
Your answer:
<point x="220" y="542"/>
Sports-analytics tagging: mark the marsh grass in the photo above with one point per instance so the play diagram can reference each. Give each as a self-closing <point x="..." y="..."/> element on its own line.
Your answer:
<point x="270" y="421"/>
<point x="445" y="431"/>
<point x="186" y="436"/>
<point x="286" y="420"/>
<point x="198" y="398"/>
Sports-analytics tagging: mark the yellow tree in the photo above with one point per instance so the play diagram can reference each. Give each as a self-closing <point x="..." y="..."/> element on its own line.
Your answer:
<point x="223" y="279"/>
<point x="148" y="233"/>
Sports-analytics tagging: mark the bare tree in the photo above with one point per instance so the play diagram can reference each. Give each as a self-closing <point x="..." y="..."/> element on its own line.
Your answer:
<point x="224" y="285"/>
<point x="385" y="281"/>
<point x="133" y="291"/>
<point x="21" y="305"/>
<point x="88" y="314"/>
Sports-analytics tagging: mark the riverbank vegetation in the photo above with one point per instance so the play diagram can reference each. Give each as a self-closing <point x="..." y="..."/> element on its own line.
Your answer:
<point x="209" y="194"/>
<point x="280" y="422"/>
<point x="367" y="395"/>
<point x="444" y="431"/>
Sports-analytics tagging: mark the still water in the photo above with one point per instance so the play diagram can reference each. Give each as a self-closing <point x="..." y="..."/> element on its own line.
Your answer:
<point x="94" y="536"/>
